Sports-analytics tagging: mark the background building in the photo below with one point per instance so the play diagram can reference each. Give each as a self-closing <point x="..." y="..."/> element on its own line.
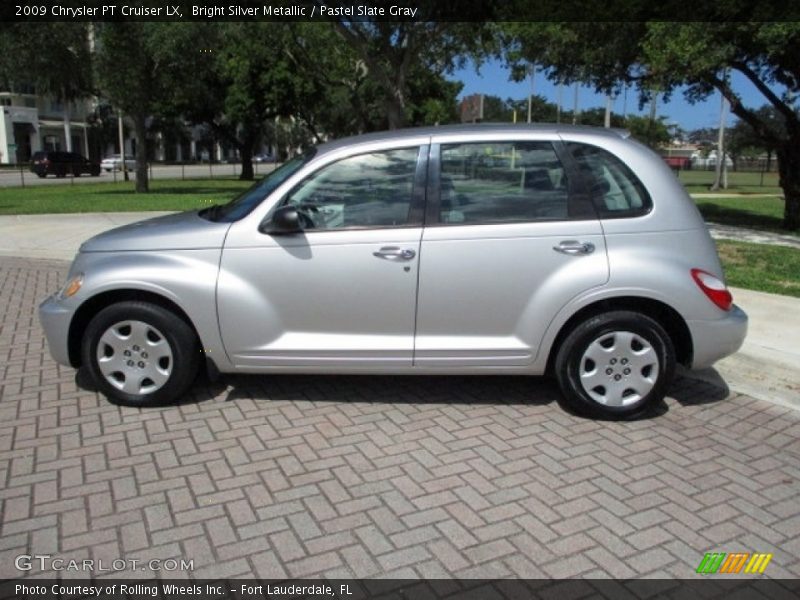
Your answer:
<point x="31" y="123"/>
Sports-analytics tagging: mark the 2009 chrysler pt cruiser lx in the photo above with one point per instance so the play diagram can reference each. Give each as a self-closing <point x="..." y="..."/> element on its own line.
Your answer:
<point x="465" y="250"/>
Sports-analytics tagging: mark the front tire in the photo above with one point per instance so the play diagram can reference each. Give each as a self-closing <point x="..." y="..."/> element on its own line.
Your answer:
<point x="140" y="354"/>
<point x="615" y="365"/>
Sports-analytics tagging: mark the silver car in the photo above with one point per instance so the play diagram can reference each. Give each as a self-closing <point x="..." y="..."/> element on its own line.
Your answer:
<point x="467" y="250"/>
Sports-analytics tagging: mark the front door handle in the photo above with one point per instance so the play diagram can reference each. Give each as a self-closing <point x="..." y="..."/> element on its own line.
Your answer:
<point x="574" y="247"/>
<point x="395" y="253"/>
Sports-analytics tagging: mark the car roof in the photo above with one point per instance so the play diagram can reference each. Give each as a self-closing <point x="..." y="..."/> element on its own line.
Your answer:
<point x="473" y="128"/>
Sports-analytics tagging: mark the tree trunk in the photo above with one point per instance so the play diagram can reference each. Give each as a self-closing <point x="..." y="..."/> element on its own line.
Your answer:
<point x="395" y="112"/>
<point x="140" y="135"/>
<point x="246" y="153"/>
<point x="789" y="171"/>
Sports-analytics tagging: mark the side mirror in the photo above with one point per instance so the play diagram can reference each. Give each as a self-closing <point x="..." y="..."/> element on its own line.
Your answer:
<point x="284" y="221"/>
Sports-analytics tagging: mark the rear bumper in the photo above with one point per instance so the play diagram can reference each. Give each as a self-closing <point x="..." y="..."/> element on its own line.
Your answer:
<point x="717" y="339"/>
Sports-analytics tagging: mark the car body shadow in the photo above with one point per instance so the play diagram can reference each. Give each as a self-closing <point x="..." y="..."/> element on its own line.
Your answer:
<point x="412" y="389"/>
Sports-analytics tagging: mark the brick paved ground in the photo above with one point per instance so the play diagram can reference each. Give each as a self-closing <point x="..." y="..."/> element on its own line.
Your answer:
<point x="377" y="476"/>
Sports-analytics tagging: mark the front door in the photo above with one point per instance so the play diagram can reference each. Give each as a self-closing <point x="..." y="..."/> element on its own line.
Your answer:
<point x="341" y="294"/>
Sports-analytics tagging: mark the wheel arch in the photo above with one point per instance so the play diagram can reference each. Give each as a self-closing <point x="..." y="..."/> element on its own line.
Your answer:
<point x="95" y="304"/>
<point x="665" y="315"/>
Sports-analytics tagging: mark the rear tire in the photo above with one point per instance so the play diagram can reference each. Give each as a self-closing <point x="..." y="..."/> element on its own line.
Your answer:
<point x="615" y="365"/>
<point x="140" y="354"/>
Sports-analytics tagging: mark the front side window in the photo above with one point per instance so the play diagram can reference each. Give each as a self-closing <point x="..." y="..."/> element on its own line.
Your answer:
<point x="243" y="204"/>
<point x="501" y="183"/>
<point x="367" y="190"/>
<point x="615" y="190"/>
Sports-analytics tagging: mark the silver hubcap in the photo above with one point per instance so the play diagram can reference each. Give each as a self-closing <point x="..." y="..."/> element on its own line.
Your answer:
<point x="619" y="368"/>
<point x="134" y="357"/>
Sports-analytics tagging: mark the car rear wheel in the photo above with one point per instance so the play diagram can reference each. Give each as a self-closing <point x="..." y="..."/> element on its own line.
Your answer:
<point x="140" y="354"/>
<point x="615" y="365"/>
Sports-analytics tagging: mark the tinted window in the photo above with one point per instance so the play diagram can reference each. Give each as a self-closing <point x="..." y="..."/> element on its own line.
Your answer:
<point x="615" y="190"/>
<point x="368" y="190"/>
<point x="501" y="183"/>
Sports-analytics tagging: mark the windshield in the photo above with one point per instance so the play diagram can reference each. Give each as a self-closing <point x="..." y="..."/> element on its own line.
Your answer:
<point x="245" y="202"/>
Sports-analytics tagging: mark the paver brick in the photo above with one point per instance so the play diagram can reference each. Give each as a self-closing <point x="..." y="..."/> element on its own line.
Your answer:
<point x="292" y="476"/>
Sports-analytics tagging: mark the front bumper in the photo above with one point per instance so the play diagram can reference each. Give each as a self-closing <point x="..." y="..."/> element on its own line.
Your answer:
<point x="55" y="319"/>
<point x="719" y="338"/>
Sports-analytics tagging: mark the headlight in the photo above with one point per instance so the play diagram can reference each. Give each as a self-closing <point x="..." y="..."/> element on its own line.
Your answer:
<point x="72" y="286"/>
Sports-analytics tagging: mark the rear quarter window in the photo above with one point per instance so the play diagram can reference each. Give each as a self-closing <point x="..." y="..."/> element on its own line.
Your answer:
<point x="615" y="190"/>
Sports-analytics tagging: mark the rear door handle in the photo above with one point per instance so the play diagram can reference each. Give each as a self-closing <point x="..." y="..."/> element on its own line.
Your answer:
<point x="395" y="253"/>
<point x="574" y="247"/>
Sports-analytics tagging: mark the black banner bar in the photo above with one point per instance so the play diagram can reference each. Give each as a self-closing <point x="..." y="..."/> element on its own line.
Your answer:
<point x="33" y="11"/>
<point x="706" y="587"/>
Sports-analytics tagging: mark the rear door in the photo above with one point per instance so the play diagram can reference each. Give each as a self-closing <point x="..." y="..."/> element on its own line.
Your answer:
<point x="509" y="240"/>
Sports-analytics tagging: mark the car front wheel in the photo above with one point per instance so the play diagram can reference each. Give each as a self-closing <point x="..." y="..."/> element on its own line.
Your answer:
<point x="140" y="354"/>
<point x="615" y="365"/>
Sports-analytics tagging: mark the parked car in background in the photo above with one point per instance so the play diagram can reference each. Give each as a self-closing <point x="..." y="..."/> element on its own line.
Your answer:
<point x="470" y="250"/>
<point x="61" y="164"/>
<point x="114" y="163"/>
<point x="263" y="158"/>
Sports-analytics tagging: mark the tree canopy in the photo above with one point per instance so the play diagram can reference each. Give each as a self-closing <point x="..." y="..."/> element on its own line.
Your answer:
<point x="660" y="57"/>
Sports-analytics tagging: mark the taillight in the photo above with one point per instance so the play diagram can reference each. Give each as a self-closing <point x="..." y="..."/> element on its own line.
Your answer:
<point x="713" y="288"/>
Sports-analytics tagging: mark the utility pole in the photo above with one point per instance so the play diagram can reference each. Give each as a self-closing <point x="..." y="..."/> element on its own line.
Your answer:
<point x="558" y="104"/>
<point x="532" y="72"/>
<point x="625" y="102"/>
<point x="575" y="106"/>
<point x="607" y="120"/>
<point x="122" y="145"/>
<point x="721" y="177"/>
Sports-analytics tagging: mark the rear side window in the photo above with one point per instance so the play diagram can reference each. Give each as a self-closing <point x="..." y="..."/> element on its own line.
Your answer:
<point x="502" y="182"/>
<point x="616" y="192"/>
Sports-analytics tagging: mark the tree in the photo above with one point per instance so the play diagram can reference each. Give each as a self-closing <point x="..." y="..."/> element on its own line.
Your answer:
<point x="744" y="140"/>
<point x="651" y="132"/>
<point x="132" y="80"/>
<point x="393" y="51"/>
<point x="54" y="58"/>
<point x="667" y="55"/>
<point x="354" y="100"/>
<point x="246" y="76"/>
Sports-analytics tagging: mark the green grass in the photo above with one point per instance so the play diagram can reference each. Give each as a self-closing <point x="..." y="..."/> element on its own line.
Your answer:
<point x="118" y="197"/>
<point x="755" y="213"/>
<point x="739" y="182"/>
<point x="761" y="267"/>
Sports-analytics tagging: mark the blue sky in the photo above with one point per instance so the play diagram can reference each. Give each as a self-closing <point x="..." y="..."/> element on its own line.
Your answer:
<point x="493" y="79"/>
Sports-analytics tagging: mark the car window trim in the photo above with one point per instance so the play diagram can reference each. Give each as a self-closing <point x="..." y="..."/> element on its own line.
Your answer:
<point x="579" y="198"/>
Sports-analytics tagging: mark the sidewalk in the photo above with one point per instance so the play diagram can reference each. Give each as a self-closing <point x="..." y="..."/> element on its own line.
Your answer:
<point x="58" y="236"/>
<point x="766" y="367"/>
